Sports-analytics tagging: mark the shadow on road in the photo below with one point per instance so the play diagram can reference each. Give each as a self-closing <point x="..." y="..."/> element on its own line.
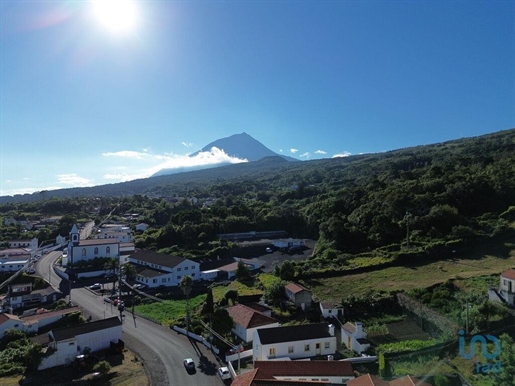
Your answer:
<point x="204" y="364"/>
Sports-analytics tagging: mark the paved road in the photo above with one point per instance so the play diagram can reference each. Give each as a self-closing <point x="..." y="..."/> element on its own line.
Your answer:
<point x="161" y="349"/>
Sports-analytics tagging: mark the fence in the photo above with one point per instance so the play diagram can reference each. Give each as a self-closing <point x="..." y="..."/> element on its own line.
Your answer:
<point x="196" y="337"/>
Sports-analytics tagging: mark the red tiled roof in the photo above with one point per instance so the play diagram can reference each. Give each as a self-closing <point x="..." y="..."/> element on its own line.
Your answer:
<point x="408" y="380"/>
<point x="306" y="368"/>
<point x="295" y="288"/>
<point x="5" y="317"/>
<point x="367" y="380"/>
<point x="509" y="274"/>
<point x="247" y="379"/>
<point x="45" y="315"/>
<point x="247" y="317"/>
<point x="349" y="327"/>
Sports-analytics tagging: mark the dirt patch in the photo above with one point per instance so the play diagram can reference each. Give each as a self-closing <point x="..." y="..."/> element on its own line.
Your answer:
<point x="127" y="369"/>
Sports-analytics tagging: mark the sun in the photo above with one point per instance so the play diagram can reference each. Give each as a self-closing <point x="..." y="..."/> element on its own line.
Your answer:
<point x="118" y="16"/>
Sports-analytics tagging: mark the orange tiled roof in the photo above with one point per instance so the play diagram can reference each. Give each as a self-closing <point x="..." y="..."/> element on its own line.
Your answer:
<point x="408" y="380"/>
<point x="295" y="288"/>
<point x="248" y="317"/>
<point x="509" y="274"/>
<point x="367" y="380"/>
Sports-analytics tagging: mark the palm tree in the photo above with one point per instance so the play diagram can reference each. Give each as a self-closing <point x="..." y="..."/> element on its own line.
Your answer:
<point x="186" y="284"/>
<point x="128" y="271"/>
<point x="112" y="265"/>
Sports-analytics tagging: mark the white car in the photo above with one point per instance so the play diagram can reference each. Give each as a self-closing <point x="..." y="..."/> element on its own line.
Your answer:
<point x="95" y="286"/>
<point x="224" y="373"/>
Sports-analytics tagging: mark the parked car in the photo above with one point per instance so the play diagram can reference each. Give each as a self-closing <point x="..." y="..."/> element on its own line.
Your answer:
<point x="189" y="364"/>
<point x="95" y="286"/>
<point x="224" y="373"/>
<point x="108" y="300"/>
<point x="140" y="286"/>
<point x="269" y="250"/>
<point x="30" y="271"/>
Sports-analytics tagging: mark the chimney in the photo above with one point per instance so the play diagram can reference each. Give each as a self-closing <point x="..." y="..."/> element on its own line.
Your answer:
<point x="359" y="327"/>
<point x="331" y="329"/>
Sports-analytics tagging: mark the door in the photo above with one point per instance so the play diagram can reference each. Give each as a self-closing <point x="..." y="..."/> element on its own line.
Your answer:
<point x="317" y="349"/>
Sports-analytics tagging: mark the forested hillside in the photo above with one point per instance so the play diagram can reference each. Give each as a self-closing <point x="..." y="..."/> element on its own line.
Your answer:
<point x="447" y="196"/>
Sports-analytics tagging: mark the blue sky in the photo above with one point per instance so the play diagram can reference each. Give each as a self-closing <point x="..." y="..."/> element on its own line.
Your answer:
<point x="83" y="104"/>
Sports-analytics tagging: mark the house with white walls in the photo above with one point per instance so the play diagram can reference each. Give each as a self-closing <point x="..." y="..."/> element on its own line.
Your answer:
<point x="331" y="309"/>
<point x="8" y="321"/>
<point x="294" y="342"/>
<point x="159" y="269"/>
<point x="507" y="286"/>
<point x="63" y="345"/>
<point x="354" y="337"/>
<point x="247" y="320"/>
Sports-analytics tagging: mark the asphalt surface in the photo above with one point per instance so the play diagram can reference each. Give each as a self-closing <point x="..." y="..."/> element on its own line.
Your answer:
<point x="161" y="349"/>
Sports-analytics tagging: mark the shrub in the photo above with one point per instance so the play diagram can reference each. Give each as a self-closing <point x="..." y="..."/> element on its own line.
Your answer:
<point x="103" y="367"/>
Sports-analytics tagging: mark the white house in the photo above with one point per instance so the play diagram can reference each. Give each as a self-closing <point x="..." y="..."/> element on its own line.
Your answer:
<point x="331" y="309"/>
<point x="354" y="337"/>
<point x="294" y="342"/>
<point x="64" y="344"/>
<point x="42" y="317"/>
<point x="507" y="286"/>
<point x="247" y="320"/>
<point x="158" y="269"/>
<point x="15" y="261"/>
<point x="8" y="321"/>
<point x="288" y="243"/>
<point x="333" y="372"/>
<point x="122" y="237"/>
<point x="31" y="244"/>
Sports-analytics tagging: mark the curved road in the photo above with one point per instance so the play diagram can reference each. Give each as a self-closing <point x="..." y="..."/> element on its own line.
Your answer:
<point x="161" y="349"/>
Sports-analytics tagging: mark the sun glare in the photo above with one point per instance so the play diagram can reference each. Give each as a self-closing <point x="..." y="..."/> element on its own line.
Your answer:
<point x="118" y="16"/>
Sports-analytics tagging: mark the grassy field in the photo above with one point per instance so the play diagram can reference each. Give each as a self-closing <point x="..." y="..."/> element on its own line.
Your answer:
<point x="168" y="311"/>
<point x="406" y="278"/>
<point x="243" y="288"/>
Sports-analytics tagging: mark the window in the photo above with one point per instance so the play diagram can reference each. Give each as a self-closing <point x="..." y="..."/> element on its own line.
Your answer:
<point x="192" y="275"/>
<point x="163" y="280"/>
<point x="327" y="344"/>
<point x="108" y="251"/>
<point x="154" y="281"/>
<point x="192" y="267"/>
<point x="290" y="349"/>
<point x="178" y="269"/>
<point x="306" y="347"/>
<point x="178" y="277"/>
<point x="84" y="252"/>
<point x="96" y="251"/>
<point x="185" y="268"/>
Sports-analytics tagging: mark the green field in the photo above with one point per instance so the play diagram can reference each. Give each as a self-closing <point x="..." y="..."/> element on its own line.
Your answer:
<point x="406" y="278"/>
<point x="243" y="289"/>
<point x="169" y="311"/>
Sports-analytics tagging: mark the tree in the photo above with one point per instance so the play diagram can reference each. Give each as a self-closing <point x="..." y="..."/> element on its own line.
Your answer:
<point x="128" y="271"/>
<point x="287" y="270"/>
<point x="222" y="321"/>
<point x="185" y="285"/>
<point x="507" y="359"/>
<point x="242" y="271"/>
<point x="209" y="304"/>
<point x="112" y="265"/>
<point x="232" y="295"/>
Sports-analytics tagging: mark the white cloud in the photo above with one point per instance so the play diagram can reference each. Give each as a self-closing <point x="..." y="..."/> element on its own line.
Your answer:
<point x="143" y="165"/>
<point x="280" y="150"/>
<point x="294" y="150"/>
<point x="74" y="180"/>
<point x="187" y="144"/>
<point x="344" y="154"/>
<point x="320" y="152"/>
<point x="305" y="155"/>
